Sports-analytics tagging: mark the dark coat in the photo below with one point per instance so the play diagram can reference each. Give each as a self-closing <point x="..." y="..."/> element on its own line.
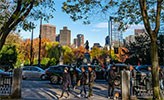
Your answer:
<point x="111" y="76"/>
<point x="66" y="80"/>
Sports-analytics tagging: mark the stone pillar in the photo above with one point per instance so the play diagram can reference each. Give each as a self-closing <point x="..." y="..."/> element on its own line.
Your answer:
<point x="16" y="83"/>
<point x="125" y="84"/>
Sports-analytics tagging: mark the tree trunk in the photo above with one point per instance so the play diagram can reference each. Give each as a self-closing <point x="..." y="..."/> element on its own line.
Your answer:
<point x="155" y="69"/>
<point x="2" y="39"/>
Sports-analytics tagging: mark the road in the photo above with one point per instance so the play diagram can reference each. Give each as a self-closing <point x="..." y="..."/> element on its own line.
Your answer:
<point x="43" y="90"/>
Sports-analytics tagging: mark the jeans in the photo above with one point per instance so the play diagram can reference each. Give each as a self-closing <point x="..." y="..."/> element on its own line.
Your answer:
<point x="110" y="90"/>
<point x="83" y="88"/>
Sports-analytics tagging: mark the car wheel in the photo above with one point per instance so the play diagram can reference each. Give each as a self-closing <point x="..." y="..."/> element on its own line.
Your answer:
<point x="54" y="79"/>
<point x="43" y="77"/>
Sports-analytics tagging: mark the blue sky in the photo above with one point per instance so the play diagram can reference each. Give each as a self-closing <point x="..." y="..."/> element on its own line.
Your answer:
<point x="94" y="32"/>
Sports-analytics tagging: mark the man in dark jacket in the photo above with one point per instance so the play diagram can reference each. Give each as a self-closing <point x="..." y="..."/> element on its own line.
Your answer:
<point x="92" y="77"/>
<point x="66" y="82"/>
<point x="83" y="82"/>
<point x="111" y="78"/>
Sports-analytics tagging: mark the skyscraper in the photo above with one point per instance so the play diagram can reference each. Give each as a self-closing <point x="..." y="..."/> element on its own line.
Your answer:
<point x="80" y="40"/>
<point x="107" y="41"/>
<point x="75" y="42"/>
<point x="65" y="36"/>
<point x="48" y="32"/>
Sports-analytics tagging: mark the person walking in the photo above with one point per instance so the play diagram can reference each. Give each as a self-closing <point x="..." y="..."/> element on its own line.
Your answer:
<point x="83" y="82"/>
<point x="111" y="78"/>
<point x="66" y="82"/>
<point x="92" y="77"/>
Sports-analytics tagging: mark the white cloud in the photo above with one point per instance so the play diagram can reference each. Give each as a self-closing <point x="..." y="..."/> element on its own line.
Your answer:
<point x="95" y="30"/>
<point x="102" y="25"/>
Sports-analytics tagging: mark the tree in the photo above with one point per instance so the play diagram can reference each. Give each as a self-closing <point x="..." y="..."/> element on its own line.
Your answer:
<point x="148" y="12"/>
<point x="139" y="49"/>
<point x="16" y="13"/>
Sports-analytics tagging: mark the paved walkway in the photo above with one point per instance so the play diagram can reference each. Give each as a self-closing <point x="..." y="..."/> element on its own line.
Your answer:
<point x="33" y="90"/>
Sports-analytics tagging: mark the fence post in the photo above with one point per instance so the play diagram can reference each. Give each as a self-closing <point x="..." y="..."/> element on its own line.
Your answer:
<point x="16" y="86"/>
<point x="125" y="84"/>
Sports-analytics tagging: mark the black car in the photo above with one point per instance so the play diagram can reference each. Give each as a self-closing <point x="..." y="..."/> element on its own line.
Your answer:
<point x="100" y="71"/>
<point x="55" y="73"/>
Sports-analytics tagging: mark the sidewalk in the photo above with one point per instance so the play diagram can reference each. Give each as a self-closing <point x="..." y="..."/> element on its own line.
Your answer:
<point x="52" y="93"/>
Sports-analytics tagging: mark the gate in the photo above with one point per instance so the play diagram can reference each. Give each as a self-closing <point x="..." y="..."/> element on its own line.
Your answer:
<point x="141" y="86"/>
<point x="5" y="84"/>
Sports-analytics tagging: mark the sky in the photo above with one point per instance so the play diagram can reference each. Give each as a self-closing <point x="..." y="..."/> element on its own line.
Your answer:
<point x="94" y="32"/>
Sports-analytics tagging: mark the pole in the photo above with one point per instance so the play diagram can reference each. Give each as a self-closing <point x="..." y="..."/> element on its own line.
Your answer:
<point x="31" y="51"/>
<point x="40" y="41"/>
<point x="110" y="36"/>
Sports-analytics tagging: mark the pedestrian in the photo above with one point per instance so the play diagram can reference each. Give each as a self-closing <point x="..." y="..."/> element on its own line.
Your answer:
<point x="111" y="77"/>
<point x="92" y="77"/>
<point x="83" y="82"/>
<point x="66" y="82"/>
<point x="161" y="78"/>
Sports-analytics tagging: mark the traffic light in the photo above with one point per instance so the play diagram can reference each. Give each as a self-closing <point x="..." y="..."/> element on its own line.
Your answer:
<point x="116" y="50"/>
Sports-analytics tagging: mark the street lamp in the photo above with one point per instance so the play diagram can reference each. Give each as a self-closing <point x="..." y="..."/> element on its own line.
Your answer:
<point x="110" y="33"/>
<point x="31" y="51"/>
<point x="40" y="41"/>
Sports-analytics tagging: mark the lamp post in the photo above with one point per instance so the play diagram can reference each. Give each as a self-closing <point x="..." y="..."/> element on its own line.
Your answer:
<point x="40" y="42"/>
<point x="110" y="33"/>
<point x="31" y="51"/>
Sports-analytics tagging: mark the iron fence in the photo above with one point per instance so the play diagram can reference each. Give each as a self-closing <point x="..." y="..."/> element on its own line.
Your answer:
<point x="5" y="84"/>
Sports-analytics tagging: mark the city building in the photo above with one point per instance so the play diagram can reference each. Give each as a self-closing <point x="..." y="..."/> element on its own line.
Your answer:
<point x="138" y="32"/>
<point x="130" y="39"/>
<point x="97" y="45"/>
<point x="80" y="40"/>
<point x="65" y="36"/>
<point x="107" y="40"/>
<point x="75" y="42"/>
<point x="58" y="38"/>
<point x="49" y="32"/>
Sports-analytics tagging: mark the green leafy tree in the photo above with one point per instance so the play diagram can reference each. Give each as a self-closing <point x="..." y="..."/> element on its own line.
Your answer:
<point x="68" y="56"/>
<point x="16" y="13"/>
<point x="148" y="12"/>
<point x="53" y="52"/>
<point x="8" y="55"/>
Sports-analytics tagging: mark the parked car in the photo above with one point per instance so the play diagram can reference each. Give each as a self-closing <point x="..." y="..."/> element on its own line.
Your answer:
<point x="119" y="68"/>
<point x="33" y="72"/>
<point x="55" y="73"/>
<point x="4" y="74"/>
<point x="100" y="71"/>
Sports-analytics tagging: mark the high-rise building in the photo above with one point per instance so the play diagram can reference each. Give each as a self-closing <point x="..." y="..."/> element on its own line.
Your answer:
<point x="75" y="42"/>
<point x="130" y="39"/>
<point x="65" y="36"/>
<point x="138" y="32"/>
<point x="48" y="32"/>
<point x="80" y="40"/>
<point x="107" y="40"/>
<point x="58" y="38"/>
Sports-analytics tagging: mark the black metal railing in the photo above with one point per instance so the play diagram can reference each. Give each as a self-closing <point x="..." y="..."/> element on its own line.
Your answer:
<point x="141" y="86"/>
<point x="5" y="84"/>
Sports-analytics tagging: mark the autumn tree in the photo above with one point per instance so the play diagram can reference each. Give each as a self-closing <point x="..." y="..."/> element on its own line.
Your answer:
<point x="16" y="13"/>
<point x="126" y="12"/>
